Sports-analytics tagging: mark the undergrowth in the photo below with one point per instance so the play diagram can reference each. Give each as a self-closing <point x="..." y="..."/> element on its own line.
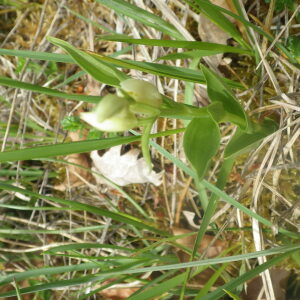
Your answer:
<point x="216" y="134"/>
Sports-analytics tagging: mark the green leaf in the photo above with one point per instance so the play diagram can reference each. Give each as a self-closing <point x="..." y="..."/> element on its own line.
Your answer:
<point x="288" y="249"/>
<point x="210" y="282"/>
<point x="74" y="147"/>
<point x="188" y="54"/>
<point x="219" y="92"/>
<point x="217" y="112"/>
<point x="161" y="70"/>
<point x="232" y="295"/>
<point x="18" y="276"/>
<point x="100" y="71"/>
<point x="243" y="142"/>
<point x="201" y="143"/>
<point x="142" y="16"/>
<point x="159" y="289"/>
<point x="46" y="91"/>
<point x="203" y="46"/>
<point x="56" y="57"/>
<point x="73" y="247"/>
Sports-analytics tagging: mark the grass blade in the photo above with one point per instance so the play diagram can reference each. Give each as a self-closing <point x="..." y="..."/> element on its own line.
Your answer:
<point x="46" y="91"/>
<point x="204" y="46"/>
<point x="119" y="217"/>
<point x="74" y="147"/>
<point x="46" y="271"/>
<point x="56" y="57"/>
<point x="230" y="286"/>
<point x="78" y="246"/>
<point x="142" y="16"/>
<point x="162" y="70"/>
<point x="159" y="289"/>
<point x="194" y="54"/>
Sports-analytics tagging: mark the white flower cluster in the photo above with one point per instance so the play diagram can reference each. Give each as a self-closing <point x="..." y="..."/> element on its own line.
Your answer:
<point x="121" y="112"/>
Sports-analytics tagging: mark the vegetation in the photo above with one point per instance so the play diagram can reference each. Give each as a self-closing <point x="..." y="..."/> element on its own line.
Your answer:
<point x="220" y="120"/>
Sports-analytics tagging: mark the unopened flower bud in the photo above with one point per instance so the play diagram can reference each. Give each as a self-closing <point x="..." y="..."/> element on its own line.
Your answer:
<point x="142" y="91"/>
<point x="111" y="114"/>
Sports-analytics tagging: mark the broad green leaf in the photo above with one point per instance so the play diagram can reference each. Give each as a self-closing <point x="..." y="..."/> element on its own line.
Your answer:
<point x="161" y="69"/>
<point x="201" y="142"/>
<point x="100" y="71"/>
<point x="46" y="91"/>
<point x="142" y="16"/>
<point x="217" y="111"/>
<point x="74" y="147"/>
<point x="219" y="92"/>
<point x="75" y="205"/>
<point x="242" y="142"/>
<point x="203" y="46"/>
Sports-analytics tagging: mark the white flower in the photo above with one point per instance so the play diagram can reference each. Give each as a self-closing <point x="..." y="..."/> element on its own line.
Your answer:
<point x="111" y="114"/>
<point x="123" y="169"/>
<point x="142" y="91"/>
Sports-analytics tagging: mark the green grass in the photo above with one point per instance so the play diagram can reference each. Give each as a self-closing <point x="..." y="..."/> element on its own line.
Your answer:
<point x="80" y="242"/>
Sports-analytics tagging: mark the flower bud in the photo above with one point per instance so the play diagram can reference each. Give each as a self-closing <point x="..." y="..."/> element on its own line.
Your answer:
<point x="142" y="91"/>
<point x="111" y="114"/>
